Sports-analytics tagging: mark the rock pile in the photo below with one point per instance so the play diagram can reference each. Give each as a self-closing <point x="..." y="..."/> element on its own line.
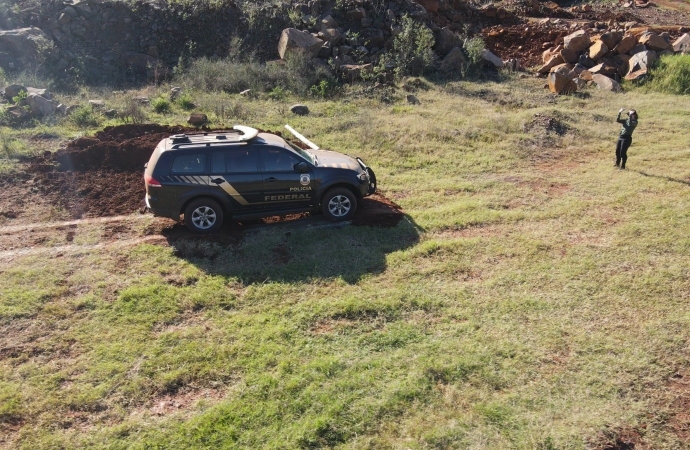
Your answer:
<point x="31" y="102"/>
<point x="603" y="59"/>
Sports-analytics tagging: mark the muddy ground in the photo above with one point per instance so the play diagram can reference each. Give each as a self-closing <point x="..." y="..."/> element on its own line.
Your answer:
<point x="90" y="193"/>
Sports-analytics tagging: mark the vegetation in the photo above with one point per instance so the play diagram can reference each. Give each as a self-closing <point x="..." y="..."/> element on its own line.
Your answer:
<point x="161" y="105"/>
<point x="671" y="75"/>
<point x="534" y="297"/>
<point x="412" y="50"/>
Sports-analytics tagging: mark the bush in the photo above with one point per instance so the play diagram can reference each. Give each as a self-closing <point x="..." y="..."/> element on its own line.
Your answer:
<point x="473" y="48"/>
<point x="133" y="112"/>
<point x="161" y="105"/>
<point x="278" y="94"/>
<point x="324" y="89"/>
<point x="186" y="103"/>
<point x="412" y="48"/>
<point x="671" y="75"/>
<point x="85" y="117"/>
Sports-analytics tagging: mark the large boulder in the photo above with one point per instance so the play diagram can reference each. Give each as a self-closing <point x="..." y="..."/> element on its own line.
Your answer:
<point x="604" y="69"/>
<point x="598" y="50"/>
<point x="446" y="41"/>
<point x="625" y="45"/>
<point x="637" y="75"/>
<point x="26" y="45"/>
<point x="642" y="60"/>
<point x="577" y="41"/>
<point x="561" y="84"/>
<point x="354" y="72"/>
<point x="682" y="44"/>
<point x="605" y="83"/>
<point x="493" y="59"/>
<point x="197" y="119"/>
<point x="13" y="90"/>
<point x="550" y="64"/>
<point x="569" y="56"/>
<point x="454" y="61"/>
<point x="293" y="40"/>
<point x="40" y="106"/>
<point x="654" y="42"/>
<point x="611" y="39"/>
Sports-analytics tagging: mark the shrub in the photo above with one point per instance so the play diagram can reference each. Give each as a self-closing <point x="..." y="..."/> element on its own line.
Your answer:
<point x="17" y="99"/>
<point x="161" y="105"/>
<point x="278" y="94"/>
<point x="671" y="75"/>
<point x="325" y="88"/>
<point x="85" y="117"/>
<point x="473" y="48"/>
<point x="412" y="48"/>
<point x="185" y="102"/>
<point x="133" y="112"/>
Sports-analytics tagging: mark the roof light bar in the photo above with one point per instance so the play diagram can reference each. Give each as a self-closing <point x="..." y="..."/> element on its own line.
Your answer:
<point x="302" y="138"/>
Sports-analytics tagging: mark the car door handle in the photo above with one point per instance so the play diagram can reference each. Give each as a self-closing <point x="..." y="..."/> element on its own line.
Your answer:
<point x="218" y="180"/>
<point x="272" y="179"/>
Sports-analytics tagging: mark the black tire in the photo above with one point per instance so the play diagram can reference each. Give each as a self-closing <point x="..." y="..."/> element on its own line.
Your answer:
<point x="203" y="215"/>
<point x="339" y="204"/>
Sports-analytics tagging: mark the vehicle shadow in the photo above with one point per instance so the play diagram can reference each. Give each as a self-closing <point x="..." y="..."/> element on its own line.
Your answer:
<point x="663" y="177"/>
<point x="300" y="249"/>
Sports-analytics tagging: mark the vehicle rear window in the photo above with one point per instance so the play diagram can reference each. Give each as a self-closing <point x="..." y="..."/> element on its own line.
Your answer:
<point x="189" y="163"/>
<point x="241" y="160"/>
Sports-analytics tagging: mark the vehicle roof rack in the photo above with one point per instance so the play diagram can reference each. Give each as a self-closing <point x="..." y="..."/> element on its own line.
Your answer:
<point x="238" y="135"/>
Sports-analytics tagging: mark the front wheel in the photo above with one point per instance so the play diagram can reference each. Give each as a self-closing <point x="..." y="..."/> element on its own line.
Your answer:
<point x="203" y="216"/>
<point x="339" y="204"/>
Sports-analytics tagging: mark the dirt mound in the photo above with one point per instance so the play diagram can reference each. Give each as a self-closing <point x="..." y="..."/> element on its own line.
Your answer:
<point x="547" y="124"/>
<point x="525" y="43"/>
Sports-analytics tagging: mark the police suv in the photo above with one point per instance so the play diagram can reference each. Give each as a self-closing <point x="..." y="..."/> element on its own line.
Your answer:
<point x="244" y="173"/>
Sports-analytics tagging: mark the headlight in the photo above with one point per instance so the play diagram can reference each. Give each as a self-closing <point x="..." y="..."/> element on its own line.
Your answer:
<point x="363" y="176"/>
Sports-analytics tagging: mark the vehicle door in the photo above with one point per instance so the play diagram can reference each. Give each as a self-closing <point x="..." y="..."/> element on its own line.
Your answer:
<point x="235" y="176"/>
<point x="288" y="179"/>
<point x="186" y="178"/>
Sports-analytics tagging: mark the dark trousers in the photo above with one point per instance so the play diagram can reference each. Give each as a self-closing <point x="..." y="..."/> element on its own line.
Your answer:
<point x="622" y="150"/>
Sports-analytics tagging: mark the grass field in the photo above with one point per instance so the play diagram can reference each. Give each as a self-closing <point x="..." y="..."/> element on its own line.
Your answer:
<point x="534" y="297"/>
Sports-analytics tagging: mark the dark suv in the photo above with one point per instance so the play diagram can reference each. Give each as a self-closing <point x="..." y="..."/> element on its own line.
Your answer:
<point x="247" y="174"/>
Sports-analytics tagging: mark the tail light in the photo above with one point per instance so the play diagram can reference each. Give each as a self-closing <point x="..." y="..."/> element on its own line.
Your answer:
<point x="151" y="182"/>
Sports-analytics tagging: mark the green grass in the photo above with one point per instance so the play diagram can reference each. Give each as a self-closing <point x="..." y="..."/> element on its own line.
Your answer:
<point x="534" y="298"/>
<point x="671" y="75"/>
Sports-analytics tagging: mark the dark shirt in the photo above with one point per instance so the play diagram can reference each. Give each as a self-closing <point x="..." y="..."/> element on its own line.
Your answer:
<point x="629" y="125"/>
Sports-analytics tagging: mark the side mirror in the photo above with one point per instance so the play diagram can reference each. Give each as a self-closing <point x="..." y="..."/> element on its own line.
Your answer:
<point x="302" y="167"/>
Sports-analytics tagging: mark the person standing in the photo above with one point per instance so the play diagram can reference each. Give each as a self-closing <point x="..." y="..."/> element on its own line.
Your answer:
<point x="625" y="138"/>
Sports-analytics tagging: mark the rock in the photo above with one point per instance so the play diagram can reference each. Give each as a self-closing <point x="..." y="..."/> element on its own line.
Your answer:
<point x="654" y="42"/>
<point x="13" y="90"/>
<point x="598" y="50"/>
<point x="330" y="35"/>
<point x="569" y="56"/>
<point x="638" y="75"/>
<point x="605" y="83"/>
<point x="604" y="69"/>
<point x="27" y="45"/>
<point x="300" y="110"/>
<point x="139" y="62"/>
<point x="642" y="60"/>
<point x="175" y="93"/>
<point x="293" y="40"/>
<point x="141" y="100"/>
<point x="586" y="62"/>
<point x="561" y="84"/>
<point x="682" y="44"/>
<point x="328" y="22"/>
<point x="493" y="59"/>
<point x="586" y="75"/>
<point x="326" y="50"/>
<point x="454" y="61"/>
<point x="637" y="49"/>
<point x="611" y="39"/>
<point x="431" y="6"/>
<point x="412" y="100"/>
<point x="564" y="69"/>
<point x="97" y="104"/>
<point x="111" y="113"/>
<point x="197" y="119"/>
<point x="245" y="92"/>
<point x="580" y="83"/>
<point x="577" y="41"/>
<point x="18" y="113"/>
<point x="625" y="45"/>
<point x="354" y="71"/>
<point x="62" y="109"/>
<point x="70" y="11"/>
<point x="446" y="41"/>
<point x="553" y="62"/>
<point x="356" y="14"/>
<point x="42" y="92"/>
<point x="40" y="106"/>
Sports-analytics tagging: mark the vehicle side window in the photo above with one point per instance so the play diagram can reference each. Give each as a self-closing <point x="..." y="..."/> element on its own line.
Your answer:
<point x="240" y="160"/>
<point x="278" y="160"/>
<point x="195" y="163"/>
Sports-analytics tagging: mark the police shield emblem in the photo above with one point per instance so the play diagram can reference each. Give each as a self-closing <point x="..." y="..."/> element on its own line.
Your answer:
<point x="304" y="179"/>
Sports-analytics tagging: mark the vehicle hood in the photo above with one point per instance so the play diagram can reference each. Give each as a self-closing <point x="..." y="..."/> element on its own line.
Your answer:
<point x="336" y="160"/>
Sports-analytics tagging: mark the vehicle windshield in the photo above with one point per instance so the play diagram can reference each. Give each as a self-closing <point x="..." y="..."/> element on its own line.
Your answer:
<point x="303" y="153"/>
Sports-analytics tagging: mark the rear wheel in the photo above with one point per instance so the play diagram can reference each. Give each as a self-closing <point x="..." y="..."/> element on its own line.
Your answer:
<point x="203" y="216"/>
<point x="339" y="204"/>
